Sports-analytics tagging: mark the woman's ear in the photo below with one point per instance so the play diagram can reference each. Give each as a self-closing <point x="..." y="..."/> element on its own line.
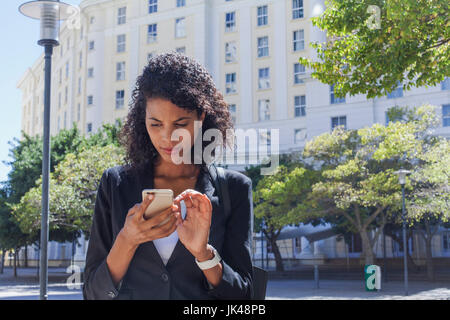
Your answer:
<point x="202" y="117"/>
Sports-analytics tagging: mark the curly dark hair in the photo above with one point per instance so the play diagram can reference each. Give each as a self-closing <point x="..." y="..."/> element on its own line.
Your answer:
<point x="187" y="84"/>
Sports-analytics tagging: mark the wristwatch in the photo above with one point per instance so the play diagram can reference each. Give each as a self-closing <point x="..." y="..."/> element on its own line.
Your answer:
<point x="208" y="264"/>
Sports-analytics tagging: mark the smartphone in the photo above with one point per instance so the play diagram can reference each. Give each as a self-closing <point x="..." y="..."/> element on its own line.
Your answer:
<point x="163" y="200"/>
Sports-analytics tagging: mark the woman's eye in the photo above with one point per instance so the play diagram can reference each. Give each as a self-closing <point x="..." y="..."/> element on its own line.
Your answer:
<point x="154" y="125"/>
<point x="181" y="124"/>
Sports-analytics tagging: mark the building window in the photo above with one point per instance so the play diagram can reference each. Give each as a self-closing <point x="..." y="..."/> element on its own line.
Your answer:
<point x="263" y="78"/>
<point x="300" y="106"/>
<point x="230" y="22"/>
<point x="65" y="119"/>
<point x="67" y="70"/>
<point x="121" y="43"/>
<point x="59" y="123"/>
<point x="120" y="71"/>
<point x="89" y="127"/>
<point x="397" y="92"/>
<point x="120" y="99"/>
<point x="446" y="115"/>
<point x="262" y="16"/>
<point x="181" y="50"/>
<point x="333" y="98"/>
<point x="230" y="52"/>
<point x="445" y="84"/>
<point x="265" y="137"/>
<point x="299" y="135"/>
<point x="150" y="55"/>
<point x="60" y="75"/>
<point x="299" y="40"/>
<point x="339" y="121"/>
<point x="299" y="73"/>
<point x="446" y="242"/>
<point x="181" y="3"/>
<point x="59" y="100"/>
<point x="152" y="33"/>
<point x="78" y="112"/>
<point x="90" y="100"/>
<point x="355" y="244"/>
<point x="180" y="29"/>
<point x="80" y="62"/>
<point x="91" y="45"/>
<point x="297" y="9"/>
<point x="263" y="47"/>
<point x="263" y="109"/>
<point x="92" y="20"/>
<point x="122" y="15"/>
<point x="232" y="108"/>
<point x="66" y="94"/>
<point x="90" y="73"/>
<point x="152" y="6"/>
<point x="230" y="83"/>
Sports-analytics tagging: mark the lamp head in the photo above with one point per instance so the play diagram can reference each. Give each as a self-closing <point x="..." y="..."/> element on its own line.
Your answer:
<point x="402" y="173"/>
<point x="49" y="12"/>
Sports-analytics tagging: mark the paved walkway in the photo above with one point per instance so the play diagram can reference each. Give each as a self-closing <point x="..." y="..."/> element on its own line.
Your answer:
<point x="354" y="290"/>
<point x="26" y="287"/>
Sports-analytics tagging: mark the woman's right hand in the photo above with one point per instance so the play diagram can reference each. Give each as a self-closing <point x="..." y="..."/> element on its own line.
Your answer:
<point x="138" y="230"/>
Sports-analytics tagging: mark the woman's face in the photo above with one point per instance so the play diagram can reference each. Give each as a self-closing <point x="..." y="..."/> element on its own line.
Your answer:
<point x="162" y="117"/>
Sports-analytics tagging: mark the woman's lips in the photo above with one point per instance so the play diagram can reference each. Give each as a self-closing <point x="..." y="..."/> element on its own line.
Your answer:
<point x="168" y="151"/>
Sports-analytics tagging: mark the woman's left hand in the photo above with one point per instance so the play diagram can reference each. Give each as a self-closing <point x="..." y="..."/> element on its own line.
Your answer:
<point x="193" y="231"/>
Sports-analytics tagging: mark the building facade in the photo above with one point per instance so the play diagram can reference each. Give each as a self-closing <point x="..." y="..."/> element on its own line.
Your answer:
<point x="250" y="47"/>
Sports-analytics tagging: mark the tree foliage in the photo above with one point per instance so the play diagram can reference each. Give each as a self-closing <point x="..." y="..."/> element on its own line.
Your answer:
<point x="373" y="45"/>
<point x="359" y="180"/>
<point x="73" y="188"/>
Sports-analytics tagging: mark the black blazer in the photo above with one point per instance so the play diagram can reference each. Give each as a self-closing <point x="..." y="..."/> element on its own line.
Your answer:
<point x="147" y="277"/>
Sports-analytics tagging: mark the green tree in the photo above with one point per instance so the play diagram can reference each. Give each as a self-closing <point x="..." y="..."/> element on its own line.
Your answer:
<point x="11" y="237"/>
<point x="372" y="45"/>
<point x="279" y="199"/>
<point x="25" y="175"/>
<point x="73" y="189"/>
<point x="429" y="205"/>
<point x="358" y="170"/>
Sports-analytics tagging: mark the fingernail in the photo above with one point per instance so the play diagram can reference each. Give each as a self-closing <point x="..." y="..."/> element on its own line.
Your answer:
<point x="151" y="196"/>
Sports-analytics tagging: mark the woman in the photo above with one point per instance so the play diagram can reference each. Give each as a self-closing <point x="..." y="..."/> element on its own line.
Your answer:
<point x="199" y="253"/>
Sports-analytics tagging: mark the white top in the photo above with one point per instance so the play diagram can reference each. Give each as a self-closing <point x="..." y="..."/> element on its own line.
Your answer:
<point x="166" y="245"/>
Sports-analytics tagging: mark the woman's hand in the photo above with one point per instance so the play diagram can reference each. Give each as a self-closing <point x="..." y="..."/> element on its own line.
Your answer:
<point x="193" y="231"/>
<point x="138" y="230"/>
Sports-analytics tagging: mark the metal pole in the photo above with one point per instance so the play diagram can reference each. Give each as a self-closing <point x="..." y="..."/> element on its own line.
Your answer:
<point x="45" y="175"/>
<point x="262" y="249"/>
<point x="384" y="257"/>
<point x="405" y="261"/>
<point x="316" y="275"/>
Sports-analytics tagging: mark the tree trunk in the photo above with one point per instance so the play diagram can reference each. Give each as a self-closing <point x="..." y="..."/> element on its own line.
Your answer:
<point x="15" y="263"/>
<point x="369" y="257"/>
<point x="2" y="262"/>
<point x="430" y="267"/>
<point x="26" y="256"/>
<point x="277" y="254"/>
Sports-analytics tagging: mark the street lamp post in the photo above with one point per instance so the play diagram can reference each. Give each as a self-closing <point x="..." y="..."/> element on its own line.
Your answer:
<point x="402" y="180"/>
<point x="49" y="13"/>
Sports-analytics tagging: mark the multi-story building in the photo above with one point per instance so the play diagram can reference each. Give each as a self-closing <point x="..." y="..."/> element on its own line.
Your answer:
<point x="251" y="48"/>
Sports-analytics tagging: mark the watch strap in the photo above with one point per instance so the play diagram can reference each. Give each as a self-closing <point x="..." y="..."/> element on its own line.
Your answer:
<point x="208" y="264"/>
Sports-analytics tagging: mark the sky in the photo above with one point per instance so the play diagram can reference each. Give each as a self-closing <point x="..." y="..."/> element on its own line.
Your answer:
<point x="19" y="50"/>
